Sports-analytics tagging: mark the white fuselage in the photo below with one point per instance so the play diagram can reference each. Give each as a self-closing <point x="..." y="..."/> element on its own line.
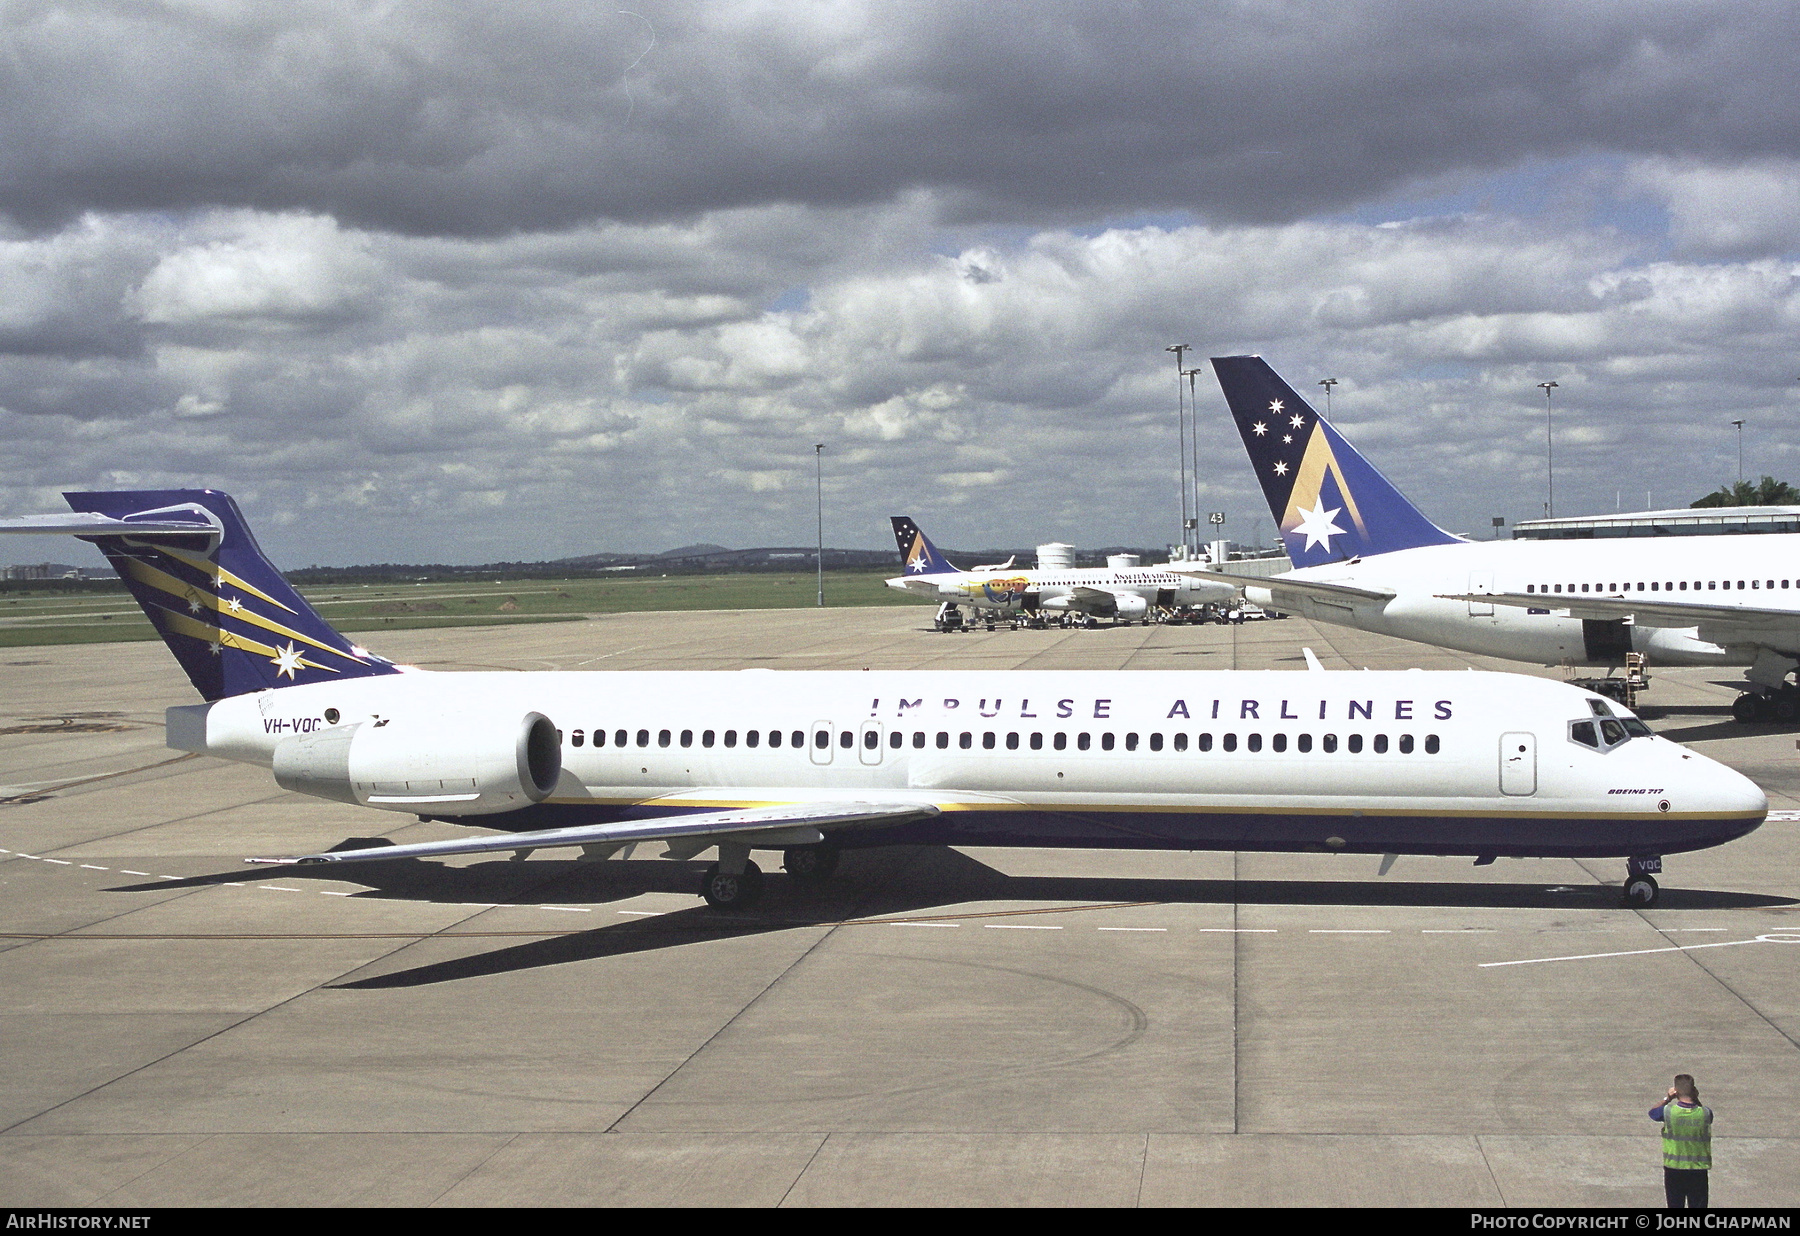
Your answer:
<point x="1757" y="571"/>
<point x="1411" y="762"/>
<point x="1089" y="590"/>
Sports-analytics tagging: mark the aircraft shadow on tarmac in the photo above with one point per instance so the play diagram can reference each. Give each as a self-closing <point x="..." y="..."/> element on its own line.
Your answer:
<point x="875" y="884"/>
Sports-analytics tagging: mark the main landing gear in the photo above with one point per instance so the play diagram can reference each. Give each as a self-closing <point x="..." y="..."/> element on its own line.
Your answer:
<point x="736" y="883"/>
<point x="1640" y="885"/>
<point x="725" y="890"/>
<point x="1782" y="704"/>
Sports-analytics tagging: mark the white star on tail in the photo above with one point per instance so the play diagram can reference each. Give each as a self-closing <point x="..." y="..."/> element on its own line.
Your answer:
<point x="287" y="660"/>
<point x="1296" y="421"/>
<point x="1275" y="406"/>
<point x="1316" y="526"/>
<point x="234" y="604"/>
<point x="1260" y="428"/>
<point x="1281" y="467"/>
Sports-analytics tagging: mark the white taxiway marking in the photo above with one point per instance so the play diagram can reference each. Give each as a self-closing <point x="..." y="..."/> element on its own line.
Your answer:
<point x="924" y="924"/>
<point x="1020" y="927"/>
<point x="91" y="867"/>
<point x="570" y="909"/>
<point x="1457" y="931"/>
<point x="1639" y="952"/>
<point x="60" y="862"/>
<point x="642" y="913"/>
<point x="1348" y="931"/>
<point x="325" y="892"/>
<point x="280" y="888"/>
<point x="1131" y="929"/>
<point x="124" y="871"/>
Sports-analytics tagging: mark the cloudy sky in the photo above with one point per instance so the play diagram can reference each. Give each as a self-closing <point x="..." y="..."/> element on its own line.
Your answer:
<point x="462" y="281"/>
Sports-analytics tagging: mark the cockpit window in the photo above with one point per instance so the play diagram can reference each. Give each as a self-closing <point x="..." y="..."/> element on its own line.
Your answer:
<point x="1600" y="708"/>
<point x="1605" y="733"/>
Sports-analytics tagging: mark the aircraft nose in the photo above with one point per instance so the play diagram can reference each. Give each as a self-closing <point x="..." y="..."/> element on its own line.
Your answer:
<point x="1714" y="788"/>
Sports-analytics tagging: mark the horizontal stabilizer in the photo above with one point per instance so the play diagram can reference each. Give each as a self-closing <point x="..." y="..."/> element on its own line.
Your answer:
<point x="741" y="825"/>
<point x="176" y="521"/>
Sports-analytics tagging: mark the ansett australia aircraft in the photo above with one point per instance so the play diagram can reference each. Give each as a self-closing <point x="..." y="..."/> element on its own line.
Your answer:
<point x="1366" y="557"/>
<point x="1104" y="592"/>
<point x="809" y="763"/>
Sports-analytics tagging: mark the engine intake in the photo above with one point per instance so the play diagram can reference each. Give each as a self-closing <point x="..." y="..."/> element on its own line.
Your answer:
<point x="460" y="764"/>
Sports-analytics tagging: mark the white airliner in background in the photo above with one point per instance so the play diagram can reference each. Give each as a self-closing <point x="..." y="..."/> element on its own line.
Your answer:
<point x="1481" y="765"/>
<point x="1366" y="557"/>
<point x="1123" y="593"/>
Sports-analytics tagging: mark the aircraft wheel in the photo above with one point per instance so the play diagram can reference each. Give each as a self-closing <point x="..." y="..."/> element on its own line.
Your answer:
<point x="731" y="892"/>
<point x="810" y="864"/>
<point x="1785" y="706"/>
<point x="1640" y="892"/>
<point x="1748" y="708"/>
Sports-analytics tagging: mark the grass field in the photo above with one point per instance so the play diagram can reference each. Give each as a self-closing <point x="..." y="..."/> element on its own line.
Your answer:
<point x="28" y="618"/>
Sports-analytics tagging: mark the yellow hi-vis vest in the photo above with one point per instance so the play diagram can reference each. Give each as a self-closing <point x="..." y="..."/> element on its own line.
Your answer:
<point x="1686" y="1138"/>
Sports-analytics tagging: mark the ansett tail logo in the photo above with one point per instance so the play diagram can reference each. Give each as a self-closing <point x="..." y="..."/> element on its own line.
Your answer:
<point x="917" y="561"/>
<point x="1304" y="452"/>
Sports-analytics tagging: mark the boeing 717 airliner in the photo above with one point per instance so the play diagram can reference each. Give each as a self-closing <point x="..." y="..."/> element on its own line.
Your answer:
<point x="1480" y="765"/>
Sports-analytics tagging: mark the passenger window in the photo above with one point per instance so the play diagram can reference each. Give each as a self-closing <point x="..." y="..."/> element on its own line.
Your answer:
<point x="987" y="740"/>
<point x="576" y="738"/>
<point x="1037" y="742"/>
<point x="1304" y="743"/>
<point x="706" y="738"/>
<point x="871" y="740"/>
<point x="731" y="738"/>
<point x="1156" y="742"/>
<point x="1583" y="733"/>
<point x="896" y="740"/>
<point x="965" y="740"/>
<point x="1203" y="743"/>
<point x="1061" y="741"/>
<point x="821" y="738"/>
<point x="1229" y="742"/>
<point x="846" y="739"/>
<point x="1131" y="742"/>
<point x="1381" y="744"/>
<point x="1081" y="742"/>
<point x="774" y="738"/>
<point x="943" y="740"/>
<point x="687" y="738"/>
<point x="918" y="739"/>
<point x="619" y="738"/>
<point x="1254" y="742"/>
<point x="752" y="737"/>
<point x="1328" y="743"/>
<point x="1353" y="744"/>
<point x="797" y="738"/>
<point x="1406" y="744"/>
<point x="643" y="738"/>
<point x="1181" y="742"/>
<point x="1278" y="742"/>
<point x="1012" y="742"/>
<point x="1431" y="744"/>
<point x="1106" y="741"/>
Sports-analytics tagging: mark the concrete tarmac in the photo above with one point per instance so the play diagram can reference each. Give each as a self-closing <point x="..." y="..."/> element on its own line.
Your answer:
<point x="967" y="1027"/>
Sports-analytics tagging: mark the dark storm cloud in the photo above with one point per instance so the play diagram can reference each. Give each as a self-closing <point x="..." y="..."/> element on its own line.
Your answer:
<point x="462" y="119"/>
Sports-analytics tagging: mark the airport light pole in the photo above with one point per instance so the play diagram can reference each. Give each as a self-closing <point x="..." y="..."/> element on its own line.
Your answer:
<point x="1328" y="383"/>
<point x="1181" y="436"/>
<point x="1740" y="429"/>
<point x="819" y="500"/>
<point x="1549" y="451"/>
<point x="1194" y="440"/>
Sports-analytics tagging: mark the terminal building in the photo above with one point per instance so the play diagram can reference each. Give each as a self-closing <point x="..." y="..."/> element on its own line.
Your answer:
<point x="1684" y="521"/>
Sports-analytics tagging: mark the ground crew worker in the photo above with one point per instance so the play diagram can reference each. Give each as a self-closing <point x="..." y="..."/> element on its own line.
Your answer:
<point x="1687" y="1144"/>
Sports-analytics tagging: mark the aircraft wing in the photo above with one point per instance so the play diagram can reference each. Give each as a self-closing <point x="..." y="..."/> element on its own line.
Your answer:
<point x="1282" y="586"/>
<point x="792" y="824"/>
<point x="1735" y="624"/>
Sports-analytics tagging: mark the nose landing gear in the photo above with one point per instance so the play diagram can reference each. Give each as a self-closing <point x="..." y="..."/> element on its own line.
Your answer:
<point x="1641" y="890"/>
